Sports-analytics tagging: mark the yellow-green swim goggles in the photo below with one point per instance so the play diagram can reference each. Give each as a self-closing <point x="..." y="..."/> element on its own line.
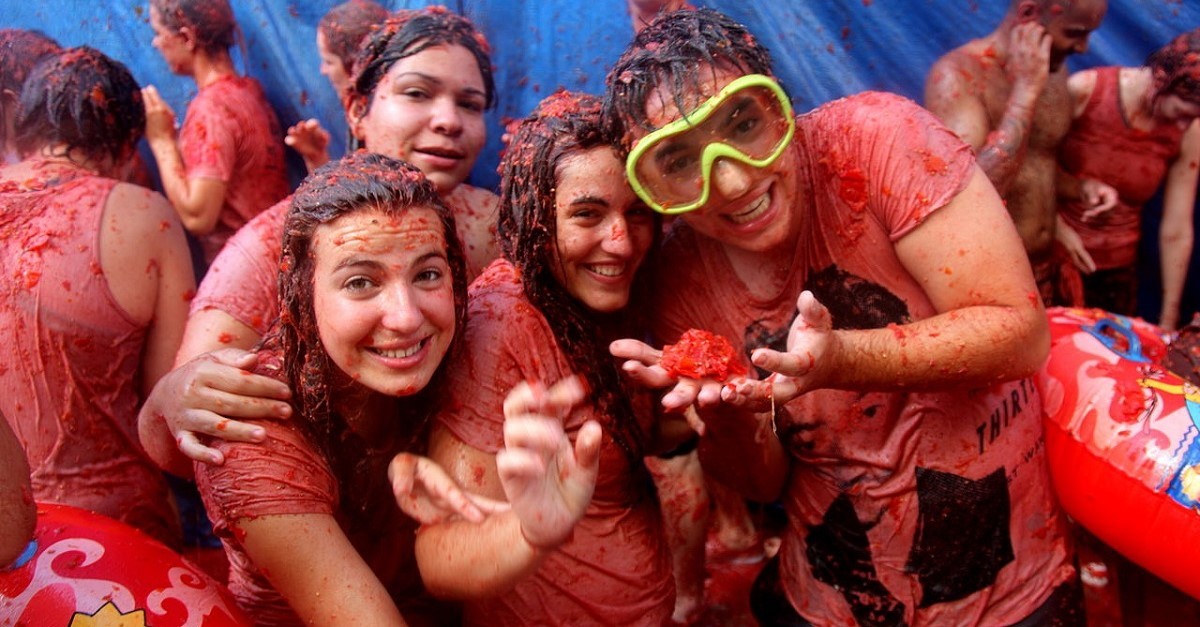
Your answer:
<point x="750" y="121"/>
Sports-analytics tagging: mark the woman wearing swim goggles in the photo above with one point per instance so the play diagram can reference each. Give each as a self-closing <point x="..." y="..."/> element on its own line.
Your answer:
<point x="750" y="120"/>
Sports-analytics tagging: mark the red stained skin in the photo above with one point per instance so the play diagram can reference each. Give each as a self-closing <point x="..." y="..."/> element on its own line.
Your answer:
<point x="225" y="338"/>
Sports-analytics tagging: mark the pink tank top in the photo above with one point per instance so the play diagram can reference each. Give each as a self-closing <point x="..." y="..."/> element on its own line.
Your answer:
<point x="71" y="360"/>
<point x="1102" y="146"/>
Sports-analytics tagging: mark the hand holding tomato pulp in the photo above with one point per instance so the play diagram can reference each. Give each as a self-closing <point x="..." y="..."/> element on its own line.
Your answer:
<point x="699" y="354"/>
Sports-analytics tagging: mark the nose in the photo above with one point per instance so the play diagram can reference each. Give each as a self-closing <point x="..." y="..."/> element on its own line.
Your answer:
<point x="400" y="311"/>
<point x="732" y="179"/>
<point x="446" y="118"/>
<point x="616" y="241"/>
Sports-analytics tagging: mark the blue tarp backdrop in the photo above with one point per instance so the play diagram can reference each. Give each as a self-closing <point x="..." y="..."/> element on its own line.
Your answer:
<point x="822" y="49"/>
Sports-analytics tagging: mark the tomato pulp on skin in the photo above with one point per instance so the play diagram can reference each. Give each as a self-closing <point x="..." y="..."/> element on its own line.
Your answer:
<point x="700" y="354"/>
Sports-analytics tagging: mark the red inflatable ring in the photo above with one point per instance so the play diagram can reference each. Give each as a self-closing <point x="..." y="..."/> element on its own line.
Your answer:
<point x="89" y="570"/>
<point x="1123" y="440"/>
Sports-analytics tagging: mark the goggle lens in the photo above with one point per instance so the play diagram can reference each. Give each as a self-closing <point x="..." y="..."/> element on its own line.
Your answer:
<point x="748" y="121"/>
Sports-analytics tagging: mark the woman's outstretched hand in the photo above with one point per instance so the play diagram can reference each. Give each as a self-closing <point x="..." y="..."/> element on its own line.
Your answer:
<point x="548" y="480"/>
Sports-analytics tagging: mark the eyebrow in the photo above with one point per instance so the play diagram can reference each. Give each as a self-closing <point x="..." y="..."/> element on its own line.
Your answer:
<point x="589" y="200"/>
<point x="433" y="79"/>
<point x="358" y="260"/>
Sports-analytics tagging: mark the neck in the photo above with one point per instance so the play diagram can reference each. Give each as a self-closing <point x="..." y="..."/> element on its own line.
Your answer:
<point x="210" y="68"/>
<point x="367" y="412"/>
<point x="73" y="157"/>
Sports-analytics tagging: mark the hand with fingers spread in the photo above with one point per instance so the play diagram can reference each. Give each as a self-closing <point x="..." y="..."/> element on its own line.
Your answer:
<point x="810" y="343"/>
<point x="426" y="493"/>
<point x="547" y="480"/>
<point x="311" y="140"/>
<point x="204" y="397"/>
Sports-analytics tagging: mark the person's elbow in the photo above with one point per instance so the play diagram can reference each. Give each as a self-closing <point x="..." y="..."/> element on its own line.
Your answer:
<point x="1031" y="343"/>
<point x="199" y="223"/>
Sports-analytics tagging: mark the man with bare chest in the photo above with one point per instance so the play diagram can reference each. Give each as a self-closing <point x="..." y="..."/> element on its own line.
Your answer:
<point x="1006" y="95"/>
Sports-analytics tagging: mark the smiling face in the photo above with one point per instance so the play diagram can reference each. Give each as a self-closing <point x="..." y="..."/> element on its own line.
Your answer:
<point x="603" y="230"/>
<point x="332" y="67"/>
<point x="383" y="297"/>
<point x="428" y="110"/>
<point x="749" y="208"/>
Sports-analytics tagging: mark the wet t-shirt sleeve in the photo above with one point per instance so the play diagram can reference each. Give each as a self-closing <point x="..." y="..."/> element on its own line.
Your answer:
<point x="242" y="280"/>
<point x="881" y="156"/>
<point x="208" y="138"/>
<point x="284" y="474"/>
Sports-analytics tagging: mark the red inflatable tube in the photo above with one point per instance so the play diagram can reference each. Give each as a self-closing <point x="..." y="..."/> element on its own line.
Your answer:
<point x="84" y="569"/>
<point x="1123" y="440"/>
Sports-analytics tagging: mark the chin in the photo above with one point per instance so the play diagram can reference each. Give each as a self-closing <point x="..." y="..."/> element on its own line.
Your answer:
<point x="606" y="305"/>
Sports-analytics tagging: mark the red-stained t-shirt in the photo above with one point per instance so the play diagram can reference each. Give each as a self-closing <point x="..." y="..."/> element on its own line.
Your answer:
<point x="242" y="279"/>
<point x="287" y="474"/>
<point x="616" y="569"/>
<point x="231" y="133"/>
<point x="921" y="508"/>
<point x="70" y="362"/>
<point x="1102" y="146"/>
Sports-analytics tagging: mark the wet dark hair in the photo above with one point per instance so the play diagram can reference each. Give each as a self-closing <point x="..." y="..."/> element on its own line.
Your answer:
<point x="211" y="21"/>
<point x="676" y="49"/>
<point x="85" y="100"/>
<point x="347" y="25"/>
<point x="359" y="182"/>
<point x="410" y="32"/>
<point x="1179" y="62"/>
<point x="562" y="125"/>
<point x="20" y="50"/>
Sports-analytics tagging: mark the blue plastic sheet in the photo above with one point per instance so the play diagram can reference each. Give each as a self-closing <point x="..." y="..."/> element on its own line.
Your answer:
<point x="822" y="50"/>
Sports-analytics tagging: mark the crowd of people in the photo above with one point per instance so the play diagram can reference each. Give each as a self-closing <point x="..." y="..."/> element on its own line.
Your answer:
<point x="467" y="405"/>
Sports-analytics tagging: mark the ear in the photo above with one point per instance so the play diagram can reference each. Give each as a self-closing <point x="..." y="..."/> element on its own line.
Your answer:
<point x="8" y="106"/>
<point x="356" y="110"/>
<point x="189" y="37"/>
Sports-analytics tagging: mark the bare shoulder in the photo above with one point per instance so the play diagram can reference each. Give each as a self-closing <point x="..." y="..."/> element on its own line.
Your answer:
<point x="1081" y="85"/>
<point x="967" y="60"/>
<point x="136" y="208"/>
<point x="959" y="74"/>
